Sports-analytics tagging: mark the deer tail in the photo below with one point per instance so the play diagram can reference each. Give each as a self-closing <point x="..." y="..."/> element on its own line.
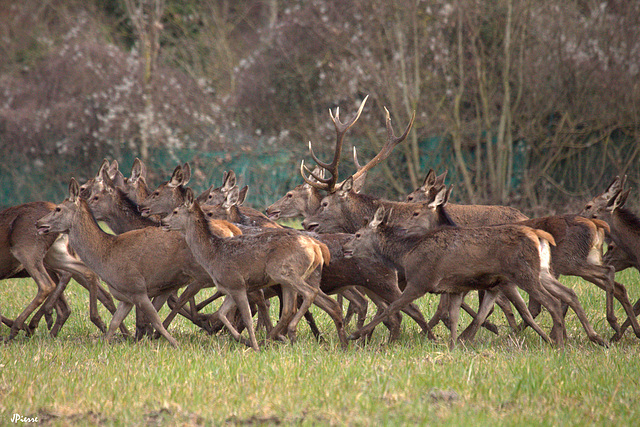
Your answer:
<point x="545" y="235"/>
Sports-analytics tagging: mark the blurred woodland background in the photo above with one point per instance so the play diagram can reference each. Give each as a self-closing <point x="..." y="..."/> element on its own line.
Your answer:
<point x="535" y="104"/>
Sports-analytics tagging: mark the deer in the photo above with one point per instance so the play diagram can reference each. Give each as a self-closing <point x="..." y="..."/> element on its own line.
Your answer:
<point x="129" y="263"/>
<point x="624" y="229"/>
<point x="285" y="257"/>
<point x="344" y="208"/>
<point x="579" y="242"/>
<point x="24" y="253"/>
<point x="111" y="205"/>
<point x="375" y="280"/>
<point x="172" y="193"/>
<point x="500" y="258"/>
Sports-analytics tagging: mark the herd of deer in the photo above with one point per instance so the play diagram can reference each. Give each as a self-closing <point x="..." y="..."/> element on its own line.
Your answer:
<point x="354" y="245"/>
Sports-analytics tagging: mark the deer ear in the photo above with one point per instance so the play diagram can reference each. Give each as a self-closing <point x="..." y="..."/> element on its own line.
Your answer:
<point x="229" y="180"/>
<point x="378" y="218"/>
<point x="346" y="187"/>
<point x="176" y="177"/>
<point x="619" y="200"/>
<point x="188" y="198"/>
<point x="186" y="173"/>
<point x="74" y="191"/>
<point x="109" y="185"/>
<point x="232" y="198"/>
<point x="440" y="178"/>
<point x="430" y="179"/>
<point x="440" y="198"/>
<point x="242" y="194"/>
<point x="138" y="170"/>
<point x="104" y="167"/>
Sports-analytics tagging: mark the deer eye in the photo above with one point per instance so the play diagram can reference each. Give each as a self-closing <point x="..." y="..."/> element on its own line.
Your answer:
<point x="156" y="193"/>
<point x="358" y="235"/>
<point x="289" y="195"/>
<point x="410" y="198"/>
<point x="58" y="209"/>
<point x="325" y="204"/>
<point x="415" y="214"/>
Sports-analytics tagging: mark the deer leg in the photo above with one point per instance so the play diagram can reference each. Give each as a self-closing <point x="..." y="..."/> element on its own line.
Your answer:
<point x="604" y="278"/>
<point x="627" y="323"/>
<point x="569" y="296"/>
<point x="51" y="301"/>
<point x="60" y="259"/>
<point x="227" y="304"/>
<point x="540" y="294"/>
<point x="332" y="308"/>
<point x="151" y="314"/>
<point x="257" y="298"/>
<point x="410" y="294"/>
<point x="45" y="287"/>
<point x="510" y="291"/>
<point x="455" y="300"/>
<point x="63" y="313"/>
<point x="484" y="309"/>
<point x="357" y="304"/>
<point x="471" y="312"/>
<point x="121" y="312"/>
<point x="192" y="289"/>
<point x="441" y="313"/>
<point x="505" y="306"/>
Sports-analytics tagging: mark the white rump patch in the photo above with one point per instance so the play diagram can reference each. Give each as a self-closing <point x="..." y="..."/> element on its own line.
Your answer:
<point x="545" y="254"/>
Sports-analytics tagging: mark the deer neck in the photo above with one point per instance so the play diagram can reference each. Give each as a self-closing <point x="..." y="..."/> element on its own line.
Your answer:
<point x="312" y="202"/>
<point x="89" y="241"/>
<point x="625" y="231"/>
<point x="127" y="217"/>
<point x="202" y="242"/>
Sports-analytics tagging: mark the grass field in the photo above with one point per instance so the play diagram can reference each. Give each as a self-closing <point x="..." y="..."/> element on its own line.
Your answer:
<point x="510" y="379"/>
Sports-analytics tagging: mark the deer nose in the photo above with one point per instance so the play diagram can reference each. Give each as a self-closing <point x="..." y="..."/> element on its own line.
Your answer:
<point x="310" y="226"/>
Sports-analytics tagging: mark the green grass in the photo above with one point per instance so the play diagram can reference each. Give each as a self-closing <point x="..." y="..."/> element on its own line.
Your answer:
<point x="210" y="380"/>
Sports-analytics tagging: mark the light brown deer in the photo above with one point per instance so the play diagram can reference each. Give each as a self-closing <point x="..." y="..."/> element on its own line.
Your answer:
<point x="111" y="205"/>
<point x="624" y="232"/>
<point x="374" y="279"/>
<point x="129" y="263"/>
<point x="24" y="253"/>
<point x="283" y="257"/>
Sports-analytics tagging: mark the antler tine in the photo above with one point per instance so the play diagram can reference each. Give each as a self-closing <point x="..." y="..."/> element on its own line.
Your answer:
<point x="355" y="159"/>
<point x="388" y="147"/>
<point x="320" y="182"/>
<point x="341" y="129"/>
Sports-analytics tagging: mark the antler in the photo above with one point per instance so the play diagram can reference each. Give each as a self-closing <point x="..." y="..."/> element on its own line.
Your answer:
<point x="341" y="129"/>
<point x="388" y="147"/>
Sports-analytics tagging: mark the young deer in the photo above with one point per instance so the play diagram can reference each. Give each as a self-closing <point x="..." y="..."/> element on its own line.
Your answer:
<point x="499" y="258"/>
<point x="111" y="205"/>
<point x="431" y="215"/>
<point x="624" y="232"/>
<point x="579" y="243"/>
<point x="375" y="279"/>
<point x="24" y="253"/>
<point x="130" y="263"/>
<point x="283" y="257"/>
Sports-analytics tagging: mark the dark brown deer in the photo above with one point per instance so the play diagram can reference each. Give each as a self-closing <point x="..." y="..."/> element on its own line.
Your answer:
<point x="431" y="215"/>
<point x="283" y="257"/>
<point x="129" y="263"/>
<point x="497" y="258"/>
<point x="624" y="232"/>
<point x="24" y="253"/>
<point x="579" y="242"/>
<point x="95" y="183"/>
